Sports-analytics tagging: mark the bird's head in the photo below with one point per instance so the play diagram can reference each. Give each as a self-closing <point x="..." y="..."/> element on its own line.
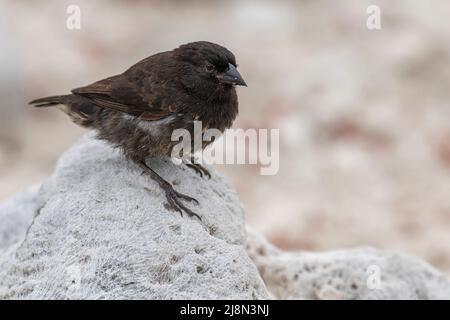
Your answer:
<point x="207" y="67"/>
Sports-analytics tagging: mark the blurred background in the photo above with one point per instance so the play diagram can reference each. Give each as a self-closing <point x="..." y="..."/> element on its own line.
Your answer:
<point x="364" y="115"/>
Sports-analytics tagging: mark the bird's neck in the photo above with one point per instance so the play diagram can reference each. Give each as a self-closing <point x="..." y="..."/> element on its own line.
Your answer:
<point x="220" y="110"/>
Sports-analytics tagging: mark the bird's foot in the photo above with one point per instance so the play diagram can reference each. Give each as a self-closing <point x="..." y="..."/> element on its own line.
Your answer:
<point x="199" y="169"/>
<point x="173" y="197"/>
<point x="174" y="202"/>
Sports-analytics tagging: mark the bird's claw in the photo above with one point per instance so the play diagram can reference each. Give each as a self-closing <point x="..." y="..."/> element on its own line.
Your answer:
<point x="173" y="197"/>
<point x="186" y="197"/>
<point x="199" y="169"/>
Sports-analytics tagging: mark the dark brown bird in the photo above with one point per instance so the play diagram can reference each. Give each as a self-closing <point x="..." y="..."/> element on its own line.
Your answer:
<point x="138" y="110"/>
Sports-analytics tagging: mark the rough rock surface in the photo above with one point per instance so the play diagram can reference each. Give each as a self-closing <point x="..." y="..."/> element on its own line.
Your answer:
<point x="360" y="273"/>
<point x="15" y="217"/>
<point x="98" y="229"/>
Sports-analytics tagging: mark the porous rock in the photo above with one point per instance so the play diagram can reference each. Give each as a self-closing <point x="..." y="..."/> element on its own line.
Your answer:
<point x="358" y="273"/>
<point x="99" y="229"/>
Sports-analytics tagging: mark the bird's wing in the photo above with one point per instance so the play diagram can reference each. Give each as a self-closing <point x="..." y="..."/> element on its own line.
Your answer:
<point x="138" y="92"/>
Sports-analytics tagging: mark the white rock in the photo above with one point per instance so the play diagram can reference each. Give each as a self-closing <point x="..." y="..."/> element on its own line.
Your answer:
<point x="361" y="273"/>
<point x="98" y="229"/>
<point x="102" y="231"/>
<point x="15" y="217"/>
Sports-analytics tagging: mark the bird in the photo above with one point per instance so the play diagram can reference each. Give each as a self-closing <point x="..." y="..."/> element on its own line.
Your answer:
<point x="137" y="110"/>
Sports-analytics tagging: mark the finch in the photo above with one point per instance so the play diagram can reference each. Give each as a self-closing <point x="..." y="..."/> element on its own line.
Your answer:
<point x="138" y="110"/>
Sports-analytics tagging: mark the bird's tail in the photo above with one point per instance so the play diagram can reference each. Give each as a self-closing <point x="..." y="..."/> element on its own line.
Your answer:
<point x="51" y="101"/>
<point x="81" y="110"/>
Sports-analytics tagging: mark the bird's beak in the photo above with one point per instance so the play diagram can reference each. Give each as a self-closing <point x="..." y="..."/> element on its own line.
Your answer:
<point x="231" y="76"/>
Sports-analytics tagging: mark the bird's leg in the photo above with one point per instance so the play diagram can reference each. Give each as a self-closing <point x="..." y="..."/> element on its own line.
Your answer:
<point x="198" y="168"/>
<point x="173" y="197"/>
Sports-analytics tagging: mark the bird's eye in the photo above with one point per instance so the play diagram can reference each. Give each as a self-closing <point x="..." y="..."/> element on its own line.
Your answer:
<point x="209" y="67"/>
